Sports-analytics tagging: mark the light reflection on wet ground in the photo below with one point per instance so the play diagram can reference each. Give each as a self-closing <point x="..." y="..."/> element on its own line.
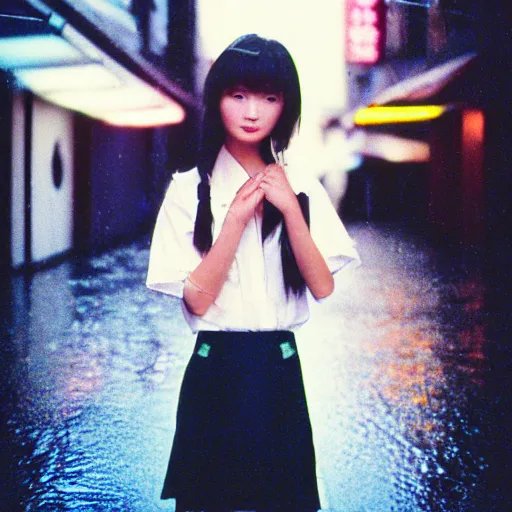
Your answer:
<point x="406" y="384"/>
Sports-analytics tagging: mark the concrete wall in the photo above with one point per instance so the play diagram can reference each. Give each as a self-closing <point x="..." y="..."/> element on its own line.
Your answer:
<point x="41" y="181"/>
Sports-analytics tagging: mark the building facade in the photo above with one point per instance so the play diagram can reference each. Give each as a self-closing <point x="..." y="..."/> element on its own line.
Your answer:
<point x="454" y="55"/>
<point x="97" y="107"/>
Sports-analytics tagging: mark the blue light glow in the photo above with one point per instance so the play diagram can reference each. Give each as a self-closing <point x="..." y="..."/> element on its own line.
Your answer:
<point x="18" y="52"/>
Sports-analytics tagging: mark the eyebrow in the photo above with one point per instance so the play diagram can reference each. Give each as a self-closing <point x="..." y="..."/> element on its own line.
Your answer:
<point x="238" y="87"/>
<point x="244" y="88"/>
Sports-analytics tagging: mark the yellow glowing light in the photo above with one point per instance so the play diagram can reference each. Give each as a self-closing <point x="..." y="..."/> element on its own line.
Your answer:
<point x="146" y="118"/>
<point x="131" y="106"/>
<point x="407" y="114"/>
<point x="101" y="100"/>
<point x="60" y="78"/>
<point x="73" y="73"/>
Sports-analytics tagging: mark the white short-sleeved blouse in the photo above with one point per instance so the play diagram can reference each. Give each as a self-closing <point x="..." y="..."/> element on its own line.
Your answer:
<point x="253" y="298"/>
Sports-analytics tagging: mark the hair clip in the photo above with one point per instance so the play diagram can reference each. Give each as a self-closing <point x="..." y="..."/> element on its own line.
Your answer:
<point x="242" y="50"/>
<point x="233" y="47"/>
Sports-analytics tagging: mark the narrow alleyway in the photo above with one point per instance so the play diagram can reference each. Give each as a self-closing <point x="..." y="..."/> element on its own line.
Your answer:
<point x="407" y="371"/>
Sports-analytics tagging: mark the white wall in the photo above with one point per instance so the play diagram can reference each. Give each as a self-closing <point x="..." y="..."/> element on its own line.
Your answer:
<point x="312" y="32"/>
<point x="52" y="208"/>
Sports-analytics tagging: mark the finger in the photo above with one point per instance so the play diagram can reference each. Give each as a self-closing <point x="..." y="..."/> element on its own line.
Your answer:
<point x="255" y="193"/>
<point x="260" y="173"/>
<point x="270" y="180"/>
<point x="249" y="186"/>
<point x="255" y="199"/>
<point x="250" y="190"/>
<point x="256" y="178"/>
<point x="272" y="168"/>
<point x="259" y="194"/>
<point x="259" y="178"/>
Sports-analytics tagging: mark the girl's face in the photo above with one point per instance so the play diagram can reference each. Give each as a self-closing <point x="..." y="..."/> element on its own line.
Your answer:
<point x="249" y="116"/>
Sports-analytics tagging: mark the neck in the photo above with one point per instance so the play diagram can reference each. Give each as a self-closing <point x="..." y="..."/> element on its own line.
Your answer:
<point x="247" y="155"/>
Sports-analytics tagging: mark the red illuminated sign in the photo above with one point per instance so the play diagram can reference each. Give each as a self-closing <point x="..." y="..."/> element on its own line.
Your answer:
<point x="365" y="31"/>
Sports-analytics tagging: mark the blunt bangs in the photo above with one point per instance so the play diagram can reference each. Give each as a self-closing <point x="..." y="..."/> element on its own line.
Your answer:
<point x="257" y="73"/>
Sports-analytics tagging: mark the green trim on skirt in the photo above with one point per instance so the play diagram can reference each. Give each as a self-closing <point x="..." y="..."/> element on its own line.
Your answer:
<point x="243" y="437"/>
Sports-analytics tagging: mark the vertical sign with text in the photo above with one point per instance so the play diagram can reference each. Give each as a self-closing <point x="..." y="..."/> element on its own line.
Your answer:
<point x="365" y="31"/>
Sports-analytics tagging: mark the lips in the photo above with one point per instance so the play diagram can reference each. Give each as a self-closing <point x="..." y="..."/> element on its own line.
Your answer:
<point x="250" y="129"/>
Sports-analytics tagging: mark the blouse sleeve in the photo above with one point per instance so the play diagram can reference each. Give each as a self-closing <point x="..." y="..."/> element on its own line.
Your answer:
<point x="173" y="255"/>
<point x="328" y="231"/>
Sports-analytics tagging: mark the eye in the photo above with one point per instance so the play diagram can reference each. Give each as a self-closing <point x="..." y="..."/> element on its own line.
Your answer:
<point x="238" y="95"/>
<point x="272" y="99"/>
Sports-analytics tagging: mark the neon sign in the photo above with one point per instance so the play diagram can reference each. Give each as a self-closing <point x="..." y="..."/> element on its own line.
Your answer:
<point x="365" y="31"/>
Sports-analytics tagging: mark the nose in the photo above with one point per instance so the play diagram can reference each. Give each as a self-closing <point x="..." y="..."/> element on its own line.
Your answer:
<point x="251" y="112"/>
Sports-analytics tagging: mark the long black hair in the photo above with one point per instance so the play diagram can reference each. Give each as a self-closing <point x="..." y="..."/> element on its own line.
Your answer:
<point x="262" y="65"/>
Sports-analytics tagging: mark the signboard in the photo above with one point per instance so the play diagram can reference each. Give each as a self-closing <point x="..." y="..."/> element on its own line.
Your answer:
<point x="365" y="31"/>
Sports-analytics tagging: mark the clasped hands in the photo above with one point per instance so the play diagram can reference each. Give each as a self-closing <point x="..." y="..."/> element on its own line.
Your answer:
<point x="272" y="184"/>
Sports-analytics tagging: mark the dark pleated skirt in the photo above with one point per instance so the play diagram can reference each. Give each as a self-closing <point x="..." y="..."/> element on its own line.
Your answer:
<point x="243" y="436"/>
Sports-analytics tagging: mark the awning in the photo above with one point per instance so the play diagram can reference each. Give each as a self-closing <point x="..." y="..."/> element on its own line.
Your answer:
<point x="392" y="126"/>
<point x="65" y="58"/>
<point x="424" y="86"/>
<point x="435" y="88"/>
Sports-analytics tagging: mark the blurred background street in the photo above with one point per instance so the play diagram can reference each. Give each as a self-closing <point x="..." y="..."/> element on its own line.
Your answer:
<point x="406" y="121"/>
<point x="406" y="370"/>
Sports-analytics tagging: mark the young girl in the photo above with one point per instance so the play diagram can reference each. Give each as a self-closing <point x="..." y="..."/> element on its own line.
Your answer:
<point x="240" y="240"/>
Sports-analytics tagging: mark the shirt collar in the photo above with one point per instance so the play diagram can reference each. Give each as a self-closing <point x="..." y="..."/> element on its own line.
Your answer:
<point x="227" y="177"/>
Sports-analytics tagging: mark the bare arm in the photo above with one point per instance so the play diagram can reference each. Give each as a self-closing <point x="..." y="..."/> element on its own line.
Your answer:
<point x="206" y="281"/>
<point x="310" y="261"/>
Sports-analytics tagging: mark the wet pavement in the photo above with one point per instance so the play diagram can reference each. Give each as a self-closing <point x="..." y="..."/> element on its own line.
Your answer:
<point x="407" y="371"/>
